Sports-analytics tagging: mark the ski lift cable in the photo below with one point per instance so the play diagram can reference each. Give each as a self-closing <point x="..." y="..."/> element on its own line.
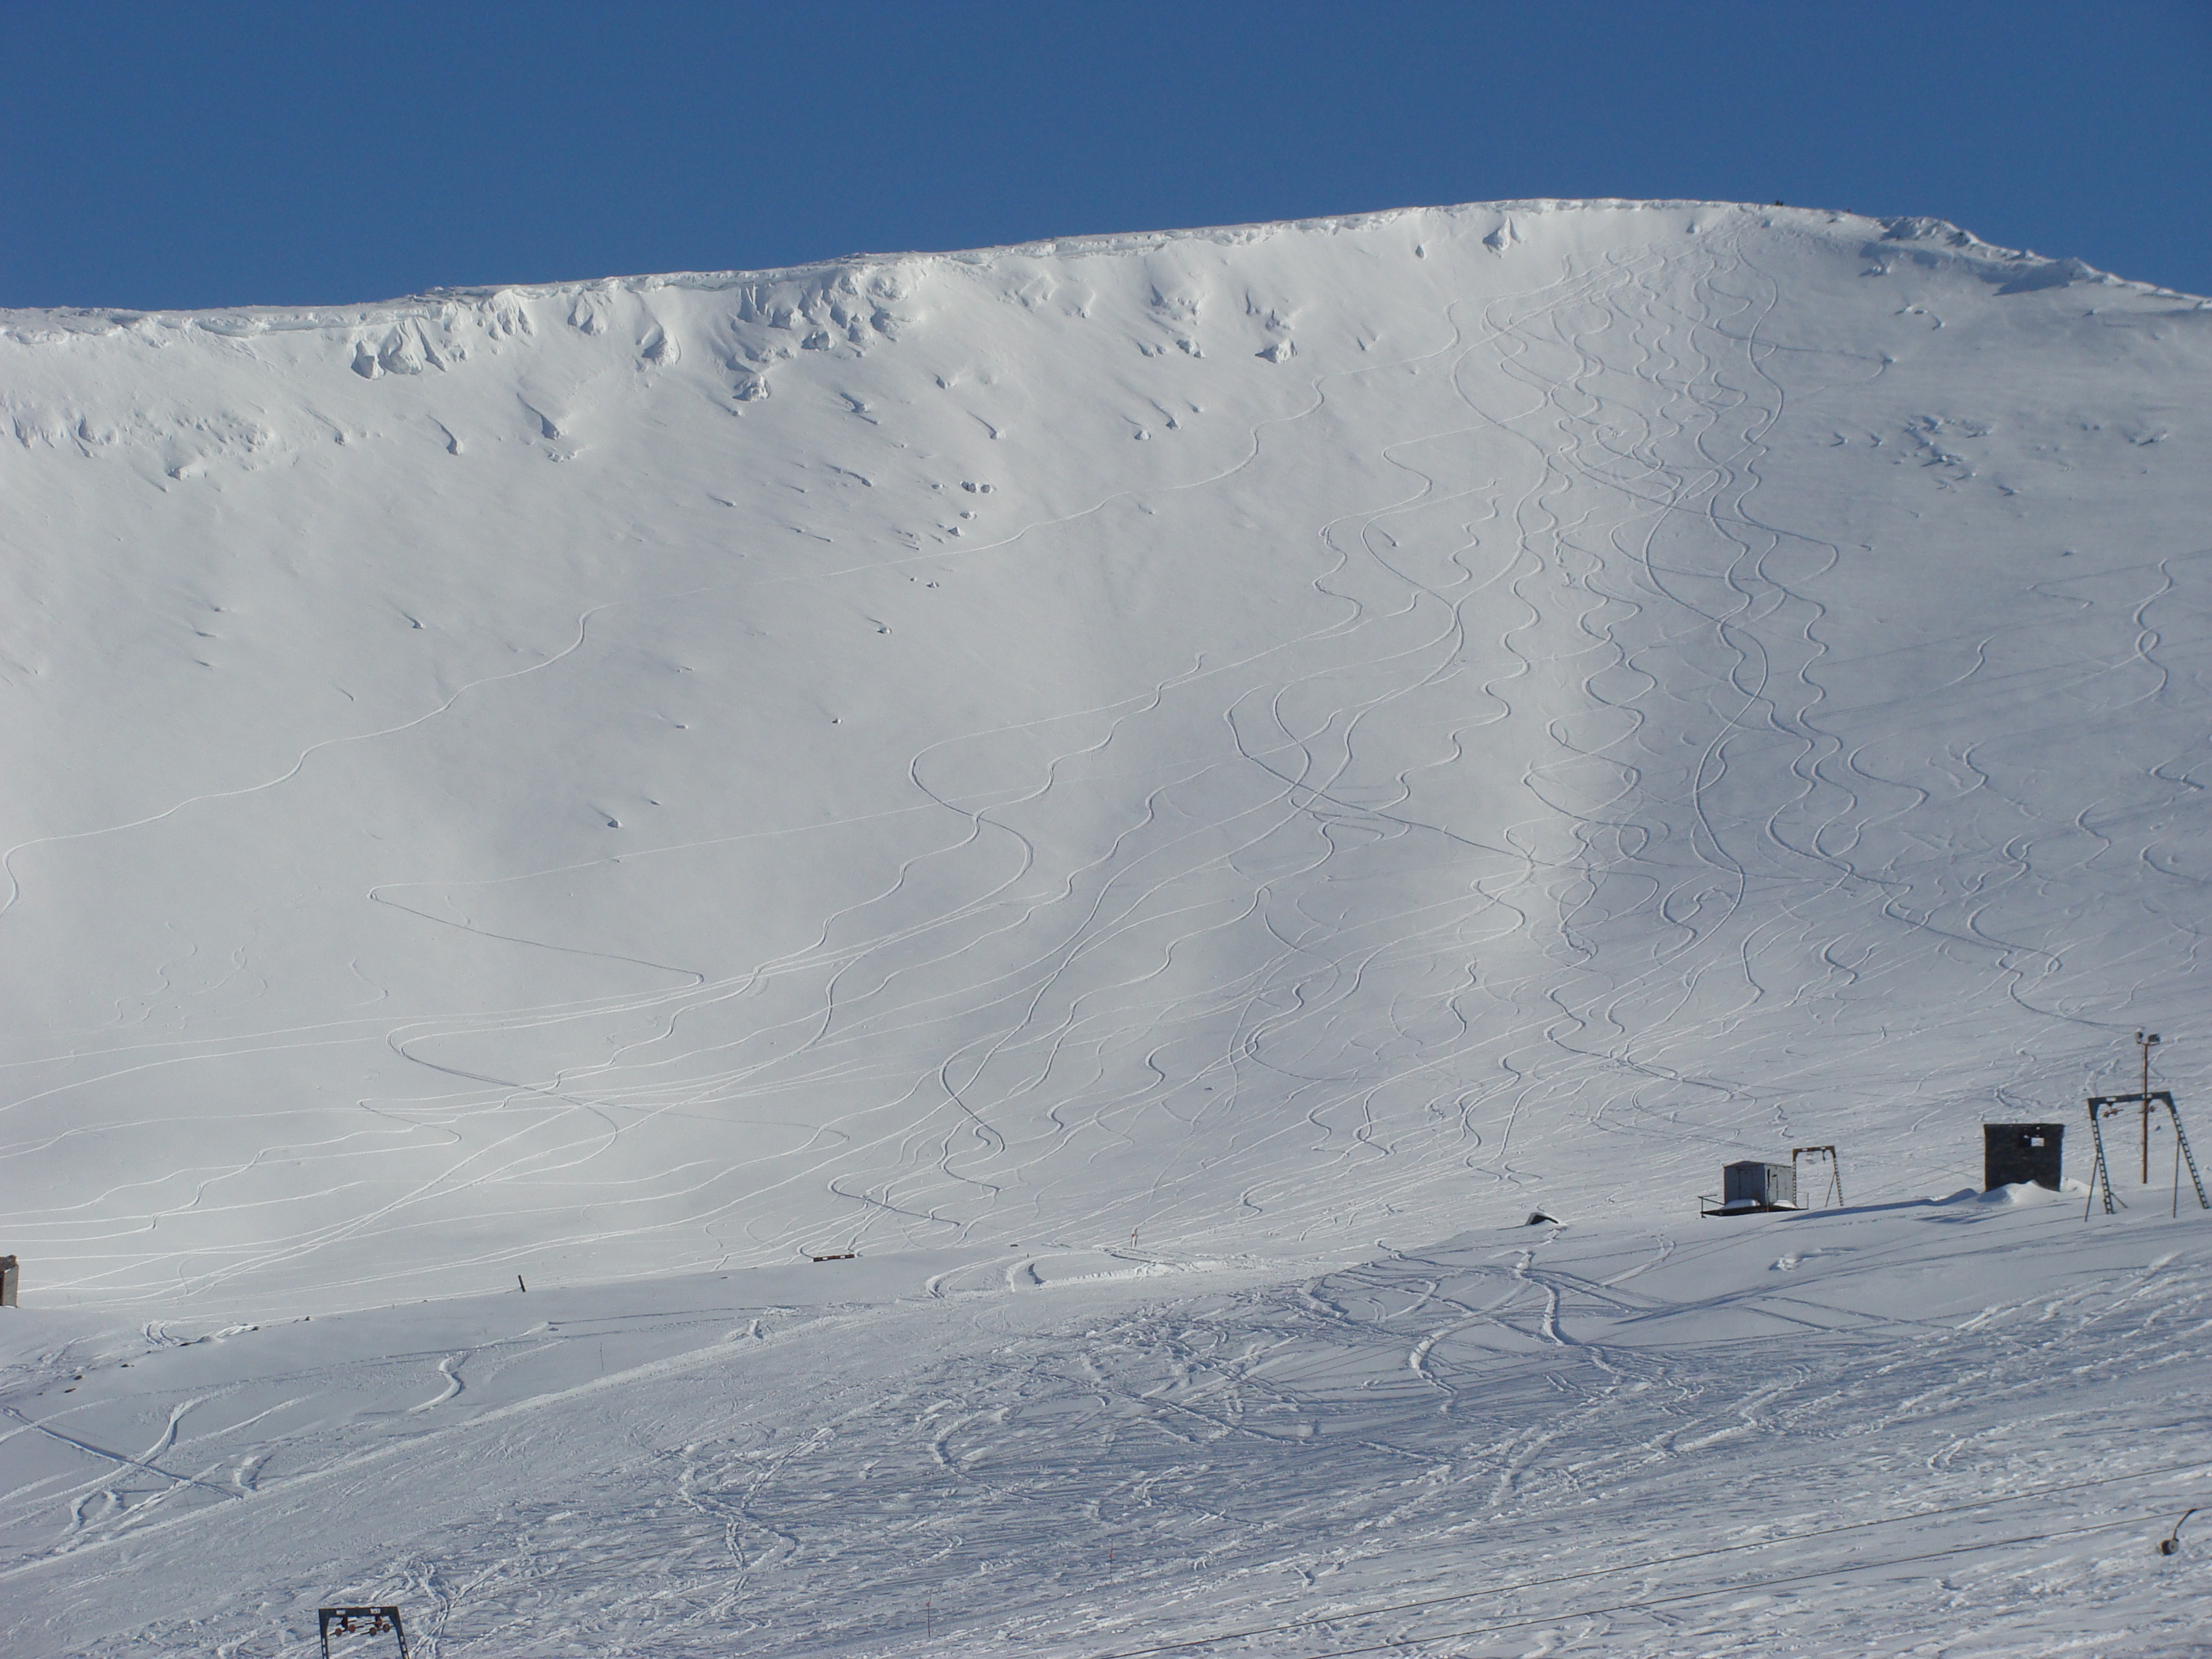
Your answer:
<point x="2192" y="1466"/>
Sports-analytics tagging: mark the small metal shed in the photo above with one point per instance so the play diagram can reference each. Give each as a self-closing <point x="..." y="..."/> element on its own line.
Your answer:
<point x="1751" y="1187"/>
<point x="2014" y="1154"/>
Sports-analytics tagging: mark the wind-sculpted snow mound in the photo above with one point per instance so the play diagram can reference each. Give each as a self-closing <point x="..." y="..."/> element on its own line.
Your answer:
<point x="1278" y="734"/>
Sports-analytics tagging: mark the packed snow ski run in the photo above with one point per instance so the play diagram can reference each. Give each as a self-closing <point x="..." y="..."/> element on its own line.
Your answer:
<point x="1046" y="952"/>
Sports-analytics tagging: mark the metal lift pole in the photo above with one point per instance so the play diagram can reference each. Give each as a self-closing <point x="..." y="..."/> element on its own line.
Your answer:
<point x="2100" y="1178"/>
<point x="2176" y="1212"/>
<point x="2181" y="1146"/>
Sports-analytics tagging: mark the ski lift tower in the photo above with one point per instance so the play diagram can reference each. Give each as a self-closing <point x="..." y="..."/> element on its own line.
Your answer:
<point x="2100" y="1180"/>
<point x="361" y="1630"/>
<point x="1835" y="1169"/>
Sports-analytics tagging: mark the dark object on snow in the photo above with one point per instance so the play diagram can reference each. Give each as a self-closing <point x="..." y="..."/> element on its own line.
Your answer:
<point x="360" y="1621"/>
<point x="1538" y="1218"/>
<point x="2017" y="1154"/>
<point x="519" y="1285"/>
<point x="1749" y="1187"/>
<point x="849" y="1256"/>
<point x="11" y="1276"/>
<point x="2171" y="1546"/>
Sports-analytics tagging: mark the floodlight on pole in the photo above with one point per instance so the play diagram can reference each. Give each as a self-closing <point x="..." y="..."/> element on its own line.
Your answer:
<point x="2144" y="1040"/>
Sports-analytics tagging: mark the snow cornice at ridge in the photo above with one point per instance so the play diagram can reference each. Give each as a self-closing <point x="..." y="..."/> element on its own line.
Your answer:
<point x="1927" y="238"/>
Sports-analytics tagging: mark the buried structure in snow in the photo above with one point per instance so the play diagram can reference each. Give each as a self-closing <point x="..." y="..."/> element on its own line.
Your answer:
<point x="2016" y="1154"/>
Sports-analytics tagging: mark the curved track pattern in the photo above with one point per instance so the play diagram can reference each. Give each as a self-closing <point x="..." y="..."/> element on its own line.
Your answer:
<point x="1053" y="774"/>
<point x="1615" y="1439"/>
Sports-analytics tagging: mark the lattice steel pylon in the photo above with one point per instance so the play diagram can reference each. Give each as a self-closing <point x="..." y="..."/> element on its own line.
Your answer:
<point x="369" y="1622"/>
<point x="2100" y="1178"/>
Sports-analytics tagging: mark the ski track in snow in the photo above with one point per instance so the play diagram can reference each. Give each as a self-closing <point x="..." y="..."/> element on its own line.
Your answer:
<point x="1091" y="1463"/>
<point x="1713" y="403"/>
<point x="1610" y="700"/>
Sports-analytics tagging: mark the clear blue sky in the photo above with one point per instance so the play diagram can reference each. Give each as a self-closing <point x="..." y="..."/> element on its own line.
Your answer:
<point x="173" y="155"/>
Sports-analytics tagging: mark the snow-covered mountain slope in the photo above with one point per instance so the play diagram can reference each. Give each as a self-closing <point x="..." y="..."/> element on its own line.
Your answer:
<point x="1248" y="740"/>
<point x="1166" y="792"/>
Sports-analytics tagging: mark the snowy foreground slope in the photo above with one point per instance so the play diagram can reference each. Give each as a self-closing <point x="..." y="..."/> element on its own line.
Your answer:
<point x="1947" y="1428"/>
<point x="1166" y="792"/>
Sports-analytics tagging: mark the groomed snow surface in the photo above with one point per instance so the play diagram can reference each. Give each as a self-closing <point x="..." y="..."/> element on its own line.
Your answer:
<point x="1159" y="795"/>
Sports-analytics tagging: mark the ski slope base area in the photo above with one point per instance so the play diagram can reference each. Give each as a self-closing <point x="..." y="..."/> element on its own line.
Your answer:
<point x="1008" y="880"/>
